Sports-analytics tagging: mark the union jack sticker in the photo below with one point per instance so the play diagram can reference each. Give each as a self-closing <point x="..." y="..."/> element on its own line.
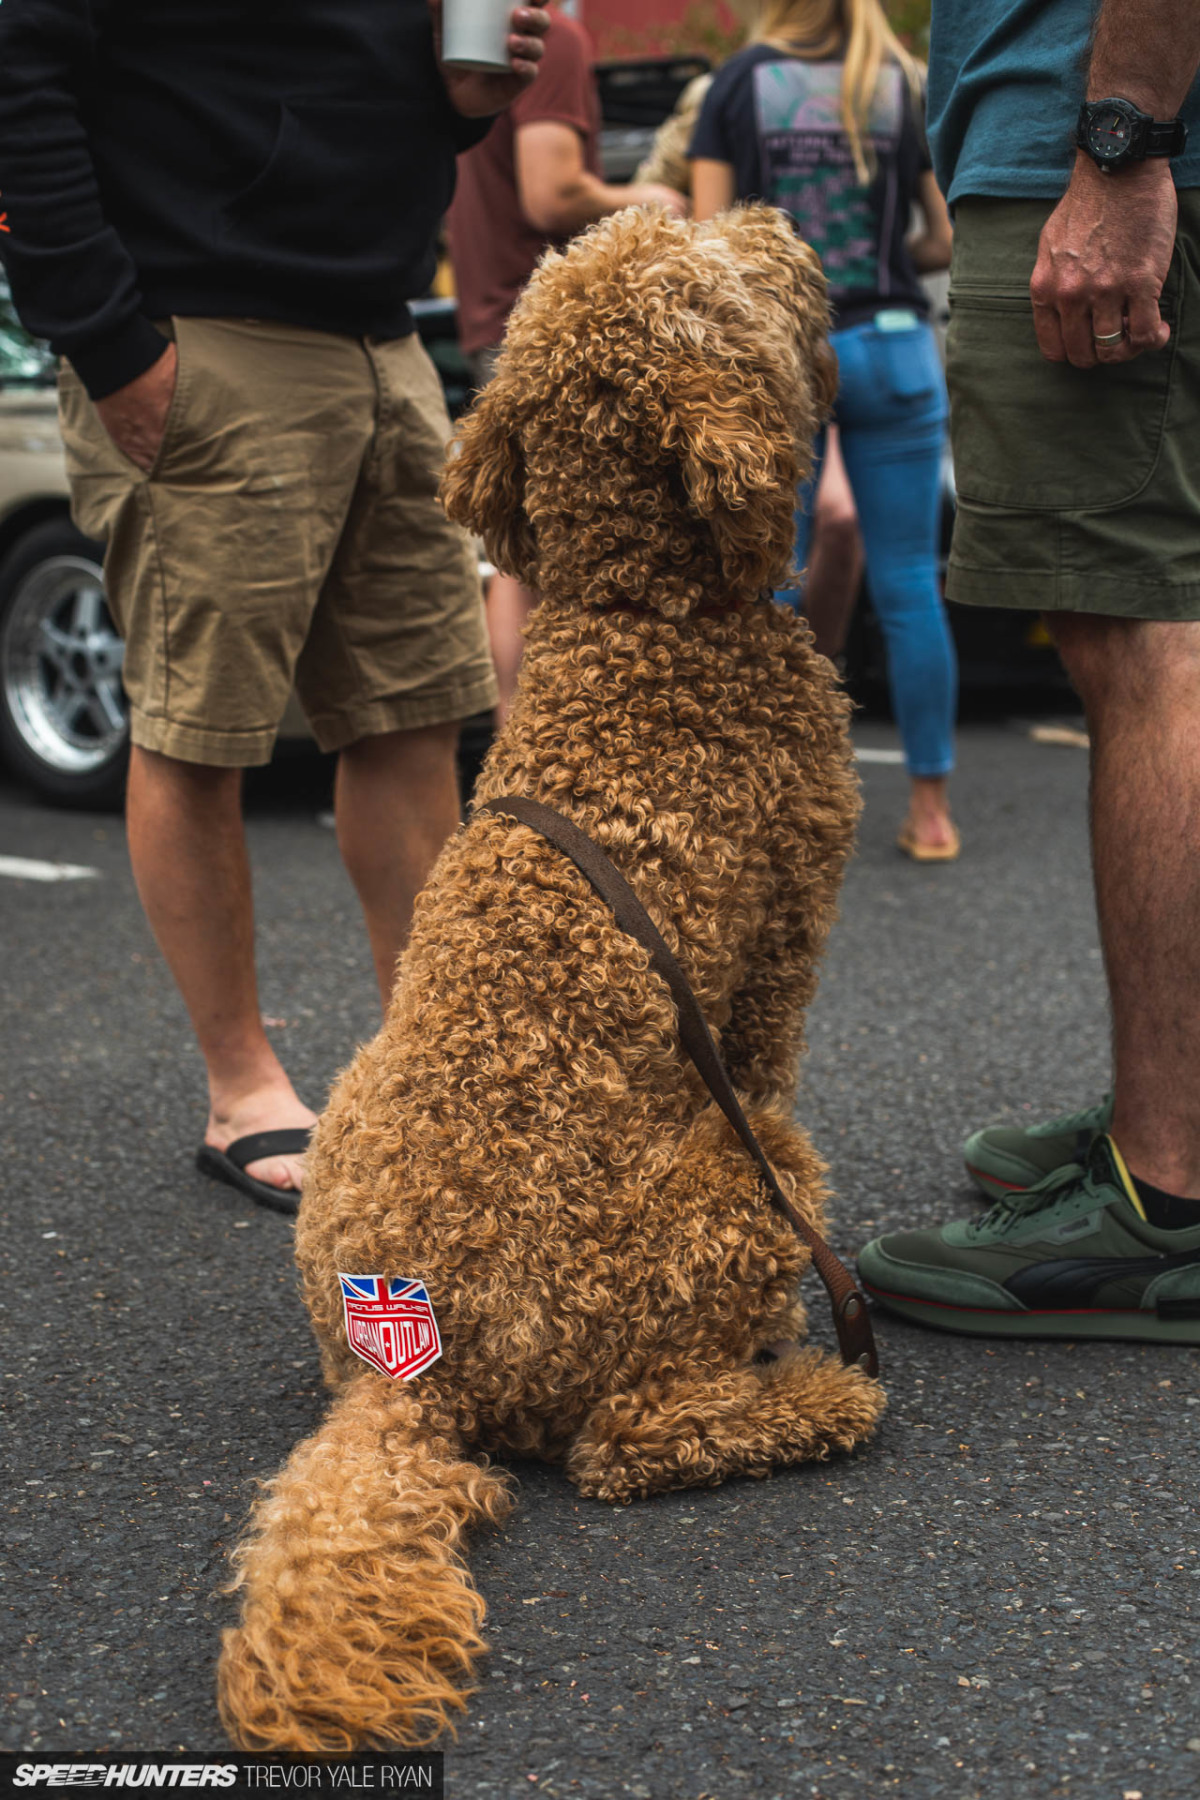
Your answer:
<point x="390" y="1324"/>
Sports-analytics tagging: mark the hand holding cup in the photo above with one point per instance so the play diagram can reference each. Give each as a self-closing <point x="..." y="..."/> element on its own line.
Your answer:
<point x="489" y="50"/>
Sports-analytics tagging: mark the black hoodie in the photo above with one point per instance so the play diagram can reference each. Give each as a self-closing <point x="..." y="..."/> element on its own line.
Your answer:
<point x="274" y="159"/>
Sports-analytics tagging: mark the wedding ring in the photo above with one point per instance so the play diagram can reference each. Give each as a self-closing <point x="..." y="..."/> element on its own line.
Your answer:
<point x="1109" y="337"/>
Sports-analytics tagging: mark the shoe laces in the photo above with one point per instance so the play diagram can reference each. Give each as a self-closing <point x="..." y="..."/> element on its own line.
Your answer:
<point x="1026" y="1201"/>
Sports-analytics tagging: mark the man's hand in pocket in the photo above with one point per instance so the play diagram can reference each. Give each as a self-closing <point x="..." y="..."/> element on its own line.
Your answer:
<point x="135" y="417"/>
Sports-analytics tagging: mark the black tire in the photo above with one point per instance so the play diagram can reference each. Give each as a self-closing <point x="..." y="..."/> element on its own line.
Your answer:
<point x="64" y="724"/>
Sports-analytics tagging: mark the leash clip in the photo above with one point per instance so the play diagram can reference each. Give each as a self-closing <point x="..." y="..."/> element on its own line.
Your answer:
<point x="855" y="1337"/>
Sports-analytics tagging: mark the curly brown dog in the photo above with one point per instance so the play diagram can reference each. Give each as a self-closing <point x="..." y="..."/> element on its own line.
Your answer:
<point x="524" y="1136"/>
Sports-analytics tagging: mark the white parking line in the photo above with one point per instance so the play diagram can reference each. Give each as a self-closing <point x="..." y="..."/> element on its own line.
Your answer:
<point x="880" y="756"/>
<point x="27" y="868"/>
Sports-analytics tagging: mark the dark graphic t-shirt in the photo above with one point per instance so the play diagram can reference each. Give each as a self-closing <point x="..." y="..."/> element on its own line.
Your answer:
<point x="776" y="120"/>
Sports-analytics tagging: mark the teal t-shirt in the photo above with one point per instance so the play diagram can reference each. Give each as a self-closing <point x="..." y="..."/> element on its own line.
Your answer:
<point x="1006" y="78"/>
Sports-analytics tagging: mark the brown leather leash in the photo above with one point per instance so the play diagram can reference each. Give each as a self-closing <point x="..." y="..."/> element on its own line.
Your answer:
<point x="850" y="1317"/>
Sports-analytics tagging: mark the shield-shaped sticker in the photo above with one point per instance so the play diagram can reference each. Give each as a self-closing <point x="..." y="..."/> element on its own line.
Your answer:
<point x="390" y="1324"/>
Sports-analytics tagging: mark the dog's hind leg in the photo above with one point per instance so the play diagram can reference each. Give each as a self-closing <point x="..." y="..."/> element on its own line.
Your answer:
<point x="359" y="1620"/>
<point x="678" y="1431"/>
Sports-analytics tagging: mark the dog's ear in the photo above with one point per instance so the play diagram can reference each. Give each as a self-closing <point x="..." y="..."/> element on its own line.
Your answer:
<point x="746" y="401"/>
<point x="483" y="484"/>
<point x="739" y="462"/>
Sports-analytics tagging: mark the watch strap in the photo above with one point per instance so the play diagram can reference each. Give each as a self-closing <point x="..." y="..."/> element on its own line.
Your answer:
<point x="1165" y="137"/>
<point x="1151" y="137"/>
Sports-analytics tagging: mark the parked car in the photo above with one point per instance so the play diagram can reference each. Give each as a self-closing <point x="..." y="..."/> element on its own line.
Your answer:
<point x="62" y="709"/>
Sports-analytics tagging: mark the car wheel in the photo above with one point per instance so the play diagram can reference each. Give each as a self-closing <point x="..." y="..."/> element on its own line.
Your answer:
<point x="64" y="720"/>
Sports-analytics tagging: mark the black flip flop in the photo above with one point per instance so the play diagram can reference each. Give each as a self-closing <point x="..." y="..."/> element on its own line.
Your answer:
<point x="229" y="1165"/>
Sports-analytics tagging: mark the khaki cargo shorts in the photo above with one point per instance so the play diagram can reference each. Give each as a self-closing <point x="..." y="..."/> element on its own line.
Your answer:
<point x="289" y="531"/>
<point x="1078" y="489"/>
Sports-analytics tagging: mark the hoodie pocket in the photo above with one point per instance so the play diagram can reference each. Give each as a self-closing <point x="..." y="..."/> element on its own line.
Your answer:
<point x="332" y="188"/>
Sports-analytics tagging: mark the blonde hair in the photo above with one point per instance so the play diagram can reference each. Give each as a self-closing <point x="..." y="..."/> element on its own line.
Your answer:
<point x="856" y="30"/>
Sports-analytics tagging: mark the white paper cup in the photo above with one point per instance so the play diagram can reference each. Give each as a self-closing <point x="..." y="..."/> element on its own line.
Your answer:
<point x="475" y="33"/>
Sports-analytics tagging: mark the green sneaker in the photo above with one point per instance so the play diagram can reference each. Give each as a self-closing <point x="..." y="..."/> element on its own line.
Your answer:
<point x="1003" y="1159"/>
<point x="1073" y="1257"/>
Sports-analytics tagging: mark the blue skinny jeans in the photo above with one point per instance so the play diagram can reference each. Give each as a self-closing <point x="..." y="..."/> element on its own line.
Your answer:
<point x="891" y="413"/>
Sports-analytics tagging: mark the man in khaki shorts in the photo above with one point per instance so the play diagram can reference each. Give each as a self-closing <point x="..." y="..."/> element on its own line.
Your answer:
<point x="1074" y="371"/>
<point x="217" y="221"/>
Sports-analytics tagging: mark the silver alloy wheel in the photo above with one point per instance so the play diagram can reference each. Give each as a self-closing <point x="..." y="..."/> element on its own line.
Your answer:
<point x="61" y="662"/>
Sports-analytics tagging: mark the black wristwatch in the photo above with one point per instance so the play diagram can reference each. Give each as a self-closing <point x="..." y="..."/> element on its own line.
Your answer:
<point x="1116" y="133"/>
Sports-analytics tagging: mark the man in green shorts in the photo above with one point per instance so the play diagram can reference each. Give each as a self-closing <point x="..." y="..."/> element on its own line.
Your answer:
<point x="1059" y="133"/>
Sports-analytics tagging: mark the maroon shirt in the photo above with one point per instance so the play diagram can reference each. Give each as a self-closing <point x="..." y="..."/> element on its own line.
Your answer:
<point x="493" y="246"/>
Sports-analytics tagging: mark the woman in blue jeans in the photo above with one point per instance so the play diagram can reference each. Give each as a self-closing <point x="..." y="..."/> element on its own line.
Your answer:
<point x="823" y="117"/>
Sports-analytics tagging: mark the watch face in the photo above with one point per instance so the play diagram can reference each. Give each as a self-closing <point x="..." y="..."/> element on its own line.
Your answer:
<point x="1110" y="133"/>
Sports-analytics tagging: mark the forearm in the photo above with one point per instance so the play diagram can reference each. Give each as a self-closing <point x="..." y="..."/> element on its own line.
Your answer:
<point x="1146" y="51"/>
<point x="929" y="254"/>
<point x="713" y="187"/>
<point x="931" y="246"/>
<point x="576" y="201"/>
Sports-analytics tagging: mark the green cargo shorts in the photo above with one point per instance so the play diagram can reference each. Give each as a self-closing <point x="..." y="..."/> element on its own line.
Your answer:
<point x="1078" y="489"/>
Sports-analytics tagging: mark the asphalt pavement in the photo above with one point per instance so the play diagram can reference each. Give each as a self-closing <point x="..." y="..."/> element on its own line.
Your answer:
<point x="994" y="1599"/>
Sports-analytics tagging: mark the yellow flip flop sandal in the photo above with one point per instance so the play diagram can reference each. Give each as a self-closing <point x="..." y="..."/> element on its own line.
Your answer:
<point x="929" y="853"/>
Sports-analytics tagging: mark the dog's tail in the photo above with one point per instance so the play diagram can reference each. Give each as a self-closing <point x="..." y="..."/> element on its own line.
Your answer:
<point x="359" y="1620"/>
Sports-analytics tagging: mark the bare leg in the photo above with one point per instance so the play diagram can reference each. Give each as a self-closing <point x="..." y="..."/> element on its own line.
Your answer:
<point x="509" y="605"/>
<point x="188" y="851"/>
<point x="835" y="558"/>
<point x="1138" y="682"/>
<point x="397" y="803"/>
<point x="929" y="810"/>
